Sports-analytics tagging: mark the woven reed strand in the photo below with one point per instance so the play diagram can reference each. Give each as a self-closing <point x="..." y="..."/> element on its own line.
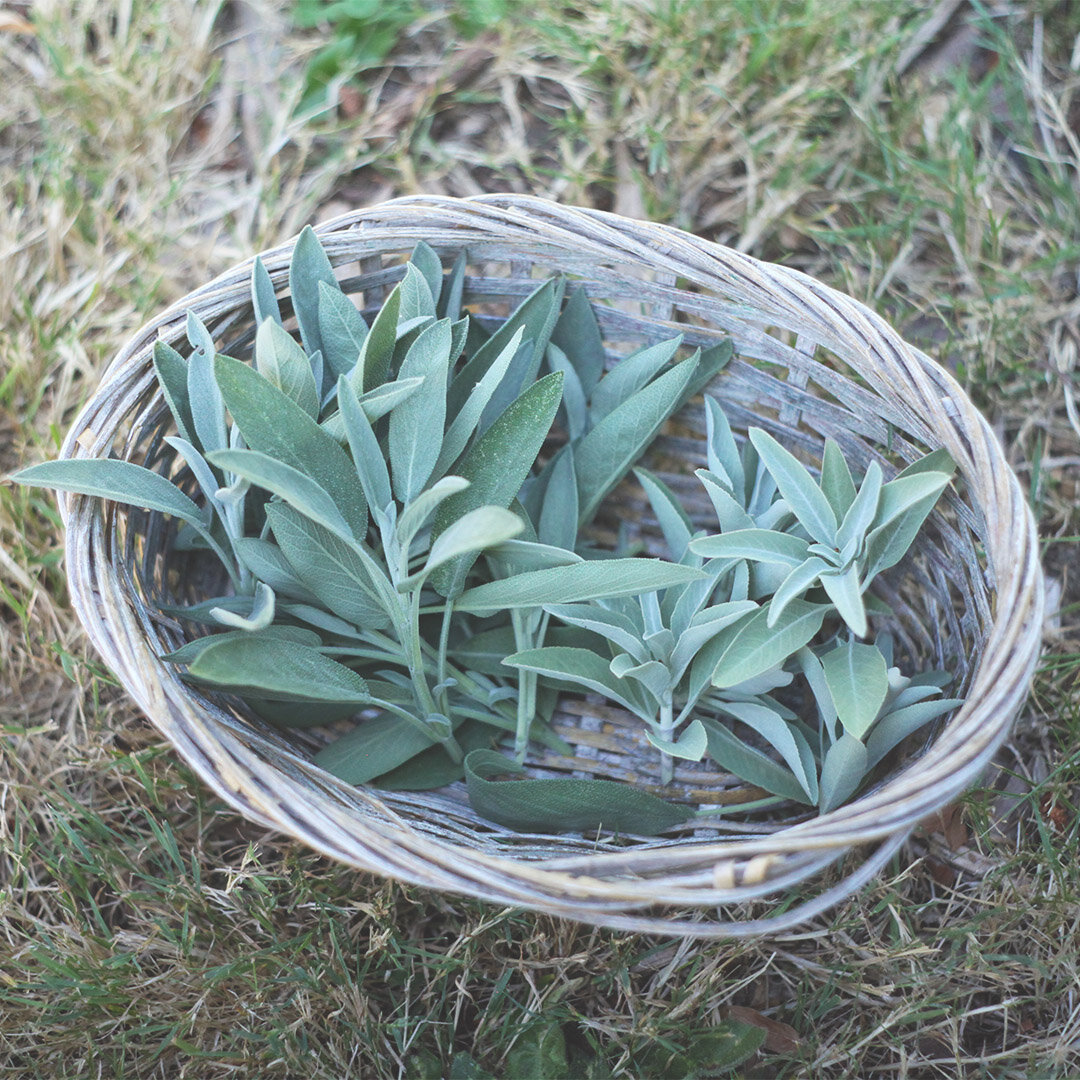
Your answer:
<point x="811" y="363"/>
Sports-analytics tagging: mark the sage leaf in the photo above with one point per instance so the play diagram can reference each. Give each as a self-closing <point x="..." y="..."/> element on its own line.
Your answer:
<point x="262" y="611"/>
<point x="309" y="267"/>
<point x="730" y="513"/>
<point x="892" y="729"/>
<point x="474" y="531"/>
<point x="862" y="510"/>
<point x="284" y="364"/>
<point x="417" y="514"/>
<point x="172" y="375"/>
<point x="374" y="747"/>
<point x="858" y="681"/>
<point x="758" y="545"/>
<point x="366" y="451"/>
<point x="673" y="520"/>
<point x="535" y="317"/>
<point x="263" y="298"/>
<point x="463" y="425"/>
<point x="596" y="580"/>
<point x="613" y="625"/>
<point x="373" y="366"/>
<point x="428" y="263"/>
<point x="416" y="299"/>
<point x="559" y="513"/>
<point x="842" y="772"/>
<point x="785" y="738"/>
<point x="290" y="484"/>
<point x="267" y="563"/>
<point x="750" y="764"/>
<point x="844" y="591"/>
<point x="806" y="499"/>
<point x="578" y="668"/>
<point x="273" y="424"/>
<point x="204" y="396"/>
<point x="453" y="289"/>
<point x="794" y="585"/>
<point x="563" y="805"/>
<point x="190" y="649"/>
<point x="330" y="569"/>
<point x="433" y="768"/>
<point x="756" y="647"/>
<point x="416" y="425"/>
<point x="496" y="466"/>
<point x="277" y="671"/>
<point x="342" y="330"/>
<point x="629" y="375"/>
<point x="836" y="482"/>
<point x="574" y="405"/>
<point x="119" y="481"/>
<point x="691" y="745"/>
<point x="577" y="335"/>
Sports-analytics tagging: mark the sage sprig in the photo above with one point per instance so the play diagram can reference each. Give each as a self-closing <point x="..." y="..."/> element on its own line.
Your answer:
<point x="401" y="502"/>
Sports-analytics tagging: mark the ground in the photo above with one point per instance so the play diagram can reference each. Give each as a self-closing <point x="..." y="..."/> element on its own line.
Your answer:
<point x="922" y="157"/>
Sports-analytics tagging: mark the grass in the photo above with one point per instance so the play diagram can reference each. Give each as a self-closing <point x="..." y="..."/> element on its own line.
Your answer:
<point x="146" y="931"/>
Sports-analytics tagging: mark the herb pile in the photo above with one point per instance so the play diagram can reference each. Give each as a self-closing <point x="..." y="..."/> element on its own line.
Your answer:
<point x="402" y="510"/>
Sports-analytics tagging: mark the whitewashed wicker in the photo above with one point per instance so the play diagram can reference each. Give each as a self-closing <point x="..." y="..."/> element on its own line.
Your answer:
<point x="810" y="362"/>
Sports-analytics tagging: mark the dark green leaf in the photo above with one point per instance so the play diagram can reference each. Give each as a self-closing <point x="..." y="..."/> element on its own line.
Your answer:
<point x="784" y="737"/>
<point x="538" y="1054"/>
<point x="574" y="406"/>
<point x="277" y="671"/>
<point x="496" y="466"/>
<point x="433" y="768"/>
<point x="893" y="729"/>
<point x="577" y="334"/>
<point x="376" y="746"/>
<point x="188" y="651"/>
<point x="274" y="425"/>
<point x="549" y="806"/>
<point x="449" y="305"/>
<point x="861" y="513"/>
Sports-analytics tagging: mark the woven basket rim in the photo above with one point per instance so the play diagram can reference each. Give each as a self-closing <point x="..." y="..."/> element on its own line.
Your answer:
<point x="712" y="872"/>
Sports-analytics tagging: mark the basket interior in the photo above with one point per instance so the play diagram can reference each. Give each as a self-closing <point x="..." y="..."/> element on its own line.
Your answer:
<point x="799" y="386"/>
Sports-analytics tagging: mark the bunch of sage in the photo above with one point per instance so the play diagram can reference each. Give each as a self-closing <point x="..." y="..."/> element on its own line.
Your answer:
<point x="401" y="508"/>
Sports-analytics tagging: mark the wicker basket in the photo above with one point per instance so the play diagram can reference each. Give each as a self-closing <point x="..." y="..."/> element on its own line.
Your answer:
<point x="810" y="363"/>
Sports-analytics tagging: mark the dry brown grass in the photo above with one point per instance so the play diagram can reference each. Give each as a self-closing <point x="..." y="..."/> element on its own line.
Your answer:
<point x="147" y="144"/>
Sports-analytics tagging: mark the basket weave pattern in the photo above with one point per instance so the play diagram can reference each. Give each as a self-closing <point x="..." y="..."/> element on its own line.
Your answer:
<point x="810" y="362"/>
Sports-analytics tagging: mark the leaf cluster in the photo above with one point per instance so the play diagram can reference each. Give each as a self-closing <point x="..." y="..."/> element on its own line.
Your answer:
<point x="400" y="501"/>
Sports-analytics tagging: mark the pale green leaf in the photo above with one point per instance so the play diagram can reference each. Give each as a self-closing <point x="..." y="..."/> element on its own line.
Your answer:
<point x="204" y="396"/>
<point x="842" y="772"/>
<point x="836" y="481"/>
<point x="172" y="374"/>
<point x="262" y="611"/>
<point x="342" y="329"/>
<point x="806" y="499"/>
<point x="263" y="298"/>
<point x="417" y="514"/>
<point x="416" y="299"/>
<point x="750" y="764"/>
<point x="794" y="585"/>
<point x="578" y="667"/>
<point x="478" y="529"/>
<point x="428" y="263"/>
<point x="756" y="647"/>
<point x="858" y="681"/>
<point x="844" y="591"/>
<point x="629" y="375"/>
<point x="613" y="625"/>
<point x="673" y="520"/>
<point x="691" y="745"/>
<point x="722" y="453"/>
<point x="373" y="365"/>
<point x="309" y="266"/>
<point x="574" y="404"/>
<point x="758" y="545"/>
<point x="857" y="520"/>
<point x="366" y="451"/>
<point x="283" y="363"/>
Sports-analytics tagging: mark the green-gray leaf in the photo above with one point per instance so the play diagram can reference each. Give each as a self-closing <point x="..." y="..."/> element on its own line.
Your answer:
<point x="836" y="481"/>
<point x="275" y="425"/>
<point x="756" y="647"/>
<point x="858" y="680"/>
<point x="758" y="545"/>
<point x="374" y="747"/>
<point x="563" y="805"/>
<point x="842" y="772"/>
<point x="478" y="529"/>
<point x="577" y="334"/>
<point x="309" y="267"/>
<point x="263" y="298"/>
<point x="750" y="764"/>
<point x="496" y="466"/>
<point x="171" y="370"/>
<point x="629" y="375"/>
<point x="577" y="667"/>
<point x="342" y="329"/>
<point x="893" y="729"/>
<point x="416" y="425"/>
<point x="277" y="671"/>
<point x="366" y="451"/>
<point x="120" y="481"/>
<point x="806" y="499"/>
<point x="559" y="512"/>
<point x="596" y="580"/>
<point x="284" y="364"/>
